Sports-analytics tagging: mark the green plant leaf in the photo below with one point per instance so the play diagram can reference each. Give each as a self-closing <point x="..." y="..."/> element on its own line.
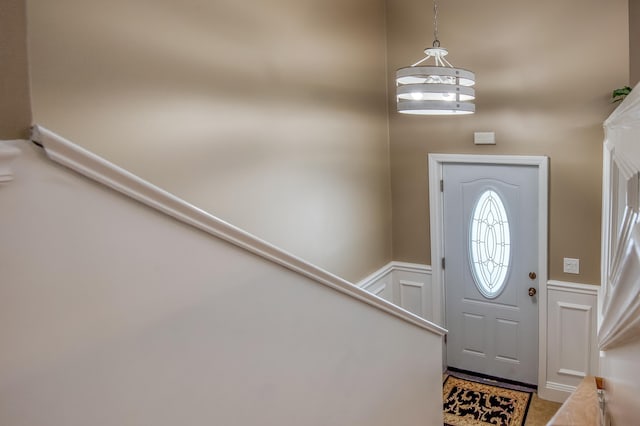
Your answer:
<point x="619" y="94"/>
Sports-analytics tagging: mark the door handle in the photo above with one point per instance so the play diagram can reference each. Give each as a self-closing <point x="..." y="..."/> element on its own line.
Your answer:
<point x="532" y="291"/>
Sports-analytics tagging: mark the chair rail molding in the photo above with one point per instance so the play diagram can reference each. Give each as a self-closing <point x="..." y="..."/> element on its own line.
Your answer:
<point x="577" y="288"/>
<point x="8" y="152"/>
<point x="94" y="167"/>
<point x="379" y="283"/>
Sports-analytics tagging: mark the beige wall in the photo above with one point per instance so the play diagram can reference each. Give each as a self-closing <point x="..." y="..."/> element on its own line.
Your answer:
<point x="270" y="115"/>
<point x="634" y="41"/>
<point x="545" y="71"/>
<point x="15" y="113"/>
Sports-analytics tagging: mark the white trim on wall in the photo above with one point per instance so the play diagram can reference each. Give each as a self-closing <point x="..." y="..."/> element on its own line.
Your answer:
<point x="571" y="287"/>
<point x="376" y="276"/>
<point x="607" y="215"/>
<point x="379" y="283"/>
<point x="411" y="267"/>
<point x="390" y="268"/>
<point x="571" y="344"/>
<point x="94" y="167"/>
<point x="395" y="282"/>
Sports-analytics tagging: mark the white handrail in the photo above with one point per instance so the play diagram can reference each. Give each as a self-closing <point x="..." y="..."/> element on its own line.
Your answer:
<point x="94" y="167"/>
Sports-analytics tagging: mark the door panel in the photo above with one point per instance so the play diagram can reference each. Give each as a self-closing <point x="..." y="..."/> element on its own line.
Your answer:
<point x="506" y="339"/>
<point x="492" y="329"/>
<point x="473" y="333"/>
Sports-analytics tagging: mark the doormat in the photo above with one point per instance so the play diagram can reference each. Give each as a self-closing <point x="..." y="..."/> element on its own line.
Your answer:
<point x="468" y="403"/>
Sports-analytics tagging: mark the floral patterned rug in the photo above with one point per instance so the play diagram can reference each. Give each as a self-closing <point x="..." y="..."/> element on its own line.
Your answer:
<point x="468" y="403"/>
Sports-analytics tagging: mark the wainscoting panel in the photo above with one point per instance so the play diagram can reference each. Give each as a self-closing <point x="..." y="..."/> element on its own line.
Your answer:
<point x="569" y="343"/>
<point x="411" y="296"/>
<point x="571" y="335"/>
<point x="407" y="285"/>
<point x="415" y="292"/>
<point x="379" y="283"/>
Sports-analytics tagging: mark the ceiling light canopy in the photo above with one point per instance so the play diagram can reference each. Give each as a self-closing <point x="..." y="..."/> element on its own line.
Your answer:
<point x="435" y="90"/>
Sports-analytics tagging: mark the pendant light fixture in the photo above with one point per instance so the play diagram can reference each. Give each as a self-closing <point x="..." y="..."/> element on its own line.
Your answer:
<point x="435" y="90"/>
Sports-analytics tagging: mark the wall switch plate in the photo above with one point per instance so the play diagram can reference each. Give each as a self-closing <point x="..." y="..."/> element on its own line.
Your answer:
<point x="571" y="266"/>
<point x="484" y="138"/>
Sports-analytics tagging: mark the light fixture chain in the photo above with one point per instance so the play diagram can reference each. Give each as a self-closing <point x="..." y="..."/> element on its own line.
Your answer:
<point x="436" y="41"/>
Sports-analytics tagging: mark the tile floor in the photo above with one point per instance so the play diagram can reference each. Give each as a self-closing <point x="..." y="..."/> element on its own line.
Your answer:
<point x="540" y="411"/>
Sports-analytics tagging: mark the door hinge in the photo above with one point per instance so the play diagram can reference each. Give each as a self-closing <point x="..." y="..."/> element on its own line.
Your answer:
<point x="443" y="263"/>
<point x="441" y="185"/>
<point x="445" y="339"/>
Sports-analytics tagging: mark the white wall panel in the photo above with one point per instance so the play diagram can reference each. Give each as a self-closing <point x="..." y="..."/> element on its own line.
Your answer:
<point x="407" y="285"/>
<point x="407" y="275"/>
<point x="379" y="283"/>
<point x="571" y="335"/>
<point x="411" y="296"/>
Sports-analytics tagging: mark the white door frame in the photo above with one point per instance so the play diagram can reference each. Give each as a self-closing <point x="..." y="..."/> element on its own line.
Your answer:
<point x="436" y="213"/>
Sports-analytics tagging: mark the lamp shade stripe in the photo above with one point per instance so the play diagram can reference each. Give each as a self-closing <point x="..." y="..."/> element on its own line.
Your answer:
<point x="421" y="107"/>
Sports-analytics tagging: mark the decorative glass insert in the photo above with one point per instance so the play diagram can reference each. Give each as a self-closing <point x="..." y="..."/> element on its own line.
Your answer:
<point x="489" y="244"/>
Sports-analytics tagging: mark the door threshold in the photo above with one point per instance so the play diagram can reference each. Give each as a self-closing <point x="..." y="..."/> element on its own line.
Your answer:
<point x="485" y="378"/>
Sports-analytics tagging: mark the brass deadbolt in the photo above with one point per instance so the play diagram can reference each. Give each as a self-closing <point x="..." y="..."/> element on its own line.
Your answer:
<point x="532" y="275"/>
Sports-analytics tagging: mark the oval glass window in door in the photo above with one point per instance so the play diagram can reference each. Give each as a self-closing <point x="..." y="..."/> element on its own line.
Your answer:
<point x="489" y="244"/>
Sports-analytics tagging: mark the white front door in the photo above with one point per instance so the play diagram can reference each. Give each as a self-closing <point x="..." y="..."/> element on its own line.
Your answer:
<point x="490" y="225"/>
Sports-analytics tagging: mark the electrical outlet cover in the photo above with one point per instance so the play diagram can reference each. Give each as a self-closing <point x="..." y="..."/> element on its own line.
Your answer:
<point x="571" y="266"/>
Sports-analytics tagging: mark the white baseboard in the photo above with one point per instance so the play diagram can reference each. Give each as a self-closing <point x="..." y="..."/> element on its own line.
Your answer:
<point x="556" y="392"/>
